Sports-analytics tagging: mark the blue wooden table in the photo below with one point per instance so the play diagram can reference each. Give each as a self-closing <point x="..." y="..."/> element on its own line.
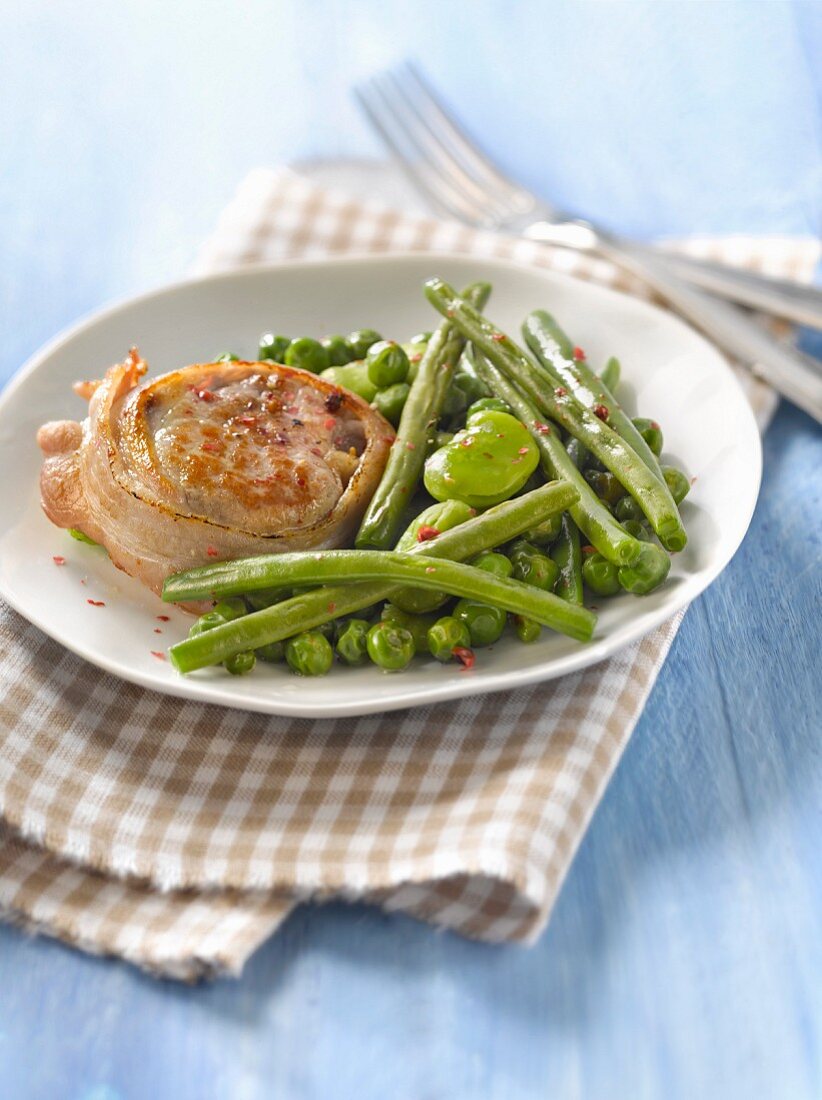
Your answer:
<point x="685" y="955"/>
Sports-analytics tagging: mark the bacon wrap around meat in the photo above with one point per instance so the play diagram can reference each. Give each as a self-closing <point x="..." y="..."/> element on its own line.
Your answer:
<point x="212" y="462"/>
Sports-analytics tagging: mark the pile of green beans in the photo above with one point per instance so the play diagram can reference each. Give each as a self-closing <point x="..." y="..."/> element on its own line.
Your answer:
<point x="544" y="490"/>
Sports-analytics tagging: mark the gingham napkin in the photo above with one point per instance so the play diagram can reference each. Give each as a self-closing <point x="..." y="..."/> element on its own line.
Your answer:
<point x="179" y="835"/>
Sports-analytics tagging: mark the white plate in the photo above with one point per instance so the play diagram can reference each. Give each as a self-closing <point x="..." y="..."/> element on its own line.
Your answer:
<point x="672" y="374"/>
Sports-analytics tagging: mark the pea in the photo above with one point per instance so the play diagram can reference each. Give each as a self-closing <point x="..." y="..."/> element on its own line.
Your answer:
<point x="387" y="363"/>
<point x="650" y="432"/>
<point x="233" y="607"/>
<point x="306" y="353"/>
<point x="266" y="597"/>
<point x="485" y="624"/>
<point x="532" y="566"/>
<point x="637" y="529"/>
<point x="272" y="653"/>
<point x="206" y="622"/>
<point x="421" y="338"/>
<point x="416" y="625"/>
<point x="486" y="463"/>
<point x="352" y="644"/>
<point x="440" y="517"/>
<point x="437" y="440"/>
<point x="446" y="635"/>
<point x="75" y="534"/>
<point x="227" y="357"/>
<point x="484" y="403"/>
<point x="601" y="575"/>
<point x="627" y="508"/>
<point x="415" y="353"/>
<point x="677" y="482"/>
<point x="361" y="340"/>
<point x="527" y="630"/>
<point x="390" y="646"/>
<point x="353" y="377"/>
<point x="240" y="664"/>
<point x="309" y="653"/>
<point x="547" y="531"/>
<point x="273" y="347"/>
<point x="605" y="485"/>
<point x="492" y="562"/>
<point x="473" y="388"/>
<point x="391" y="401"/>
<point x="339" y="353"/>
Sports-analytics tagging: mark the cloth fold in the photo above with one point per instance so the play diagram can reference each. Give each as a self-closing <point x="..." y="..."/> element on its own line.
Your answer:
<point x="179" y="835"/>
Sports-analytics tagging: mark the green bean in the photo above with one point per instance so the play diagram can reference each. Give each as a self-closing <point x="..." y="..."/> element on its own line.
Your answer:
<point x="309" y="654"/>
<point x="493" y="528"/>
<point x="446" y="635"/>
<point x="609" y="375"/>
<point x="567" y="555"/>
<point x="429" y="524"/>
<point x="549" y="344"/>
<point x="390" y="646"/>
<point x="351" y="644"/>
<point x="606" y="444"/>
<point x="383" y="517"/>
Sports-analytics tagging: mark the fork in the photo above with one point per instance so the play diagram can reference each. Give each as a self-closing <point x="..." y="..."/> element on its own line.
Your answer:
<point x="460" y="181"/>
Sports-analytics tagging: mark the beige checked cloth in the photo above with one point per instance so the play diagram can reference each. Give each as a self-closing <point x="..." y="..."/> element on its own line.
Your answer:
<point x="179" y="836"/>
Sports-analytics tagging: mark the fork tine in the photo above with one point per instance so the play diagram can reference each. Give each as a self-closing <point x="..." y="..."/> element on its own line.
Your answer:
<point x="454" y="137"/>
<point x="381" y="109"/>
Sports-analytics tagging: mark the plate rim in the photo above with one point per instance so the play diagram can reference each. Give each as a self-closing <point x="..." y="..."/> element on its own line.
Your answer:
<point x="204" y="692"/>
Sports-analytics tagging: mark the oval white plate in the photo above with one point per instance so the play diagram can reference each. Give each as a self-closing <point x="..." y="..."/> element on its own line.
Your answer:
<point x="671" y="373"/>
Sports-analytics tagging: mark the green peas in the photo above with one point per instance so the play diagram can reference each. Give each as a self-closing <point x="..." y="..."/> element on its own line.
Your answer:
<point x="526" y="630"/>
<point x="637" y="529"/>
<point x="309" y="653"/>
<point x="387" y="363"/>
<point x="361" y="340"/>
<point x="601" y="575"/>
<point x="205" y="622"/>
<point x="421" y="338"/>
<point x="627" y="508"/>
<point x="471" y="387"/>
<point x="676" y="482"/>
<point x="354" y="377"/>
<point x="446" y="635"/>
<point x="240" y="664"/>
<point x="415" y="353"/>
<point x="272" y="653"/>
<point x="391" y="401"/>
<point x="339" y="353"/>
<point x="650" y="432"/>
<point x="273" y="347"/>
<point x="352" y="643"/>
<point x="533" y="567"/>
<point x="439" y="517"/>
<point x="494" y="563"/>
<point x="306" y="353"/>
<point x="485" y="464"/>
<point x="231" y="607"/>
<point x="227" y="357"/>
<point x="416" y="625"/>
<point x="495" y="403"/>
<point x="605" y="485"/>
<point x="547" y="531"/>
<point x="485" y="624"/>
<point x="390" y="646"/>
<point x="437" y="440"/>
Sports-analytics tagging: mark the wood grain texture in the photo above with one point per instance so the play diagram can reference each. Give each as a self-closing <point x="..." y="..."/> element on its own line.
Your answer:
<point x="685" y="955"/>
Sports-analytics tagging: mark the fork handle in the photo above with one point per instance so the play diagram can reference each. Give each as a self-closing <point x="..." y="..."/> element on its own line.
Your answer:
<point x="780" y="297"/>
<point x="795" y="375"/>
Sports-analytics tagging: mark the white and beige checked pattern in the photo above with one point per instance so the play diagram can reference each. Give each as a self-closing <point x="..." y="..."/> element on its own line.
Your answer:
<point x="179" y="835"/>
